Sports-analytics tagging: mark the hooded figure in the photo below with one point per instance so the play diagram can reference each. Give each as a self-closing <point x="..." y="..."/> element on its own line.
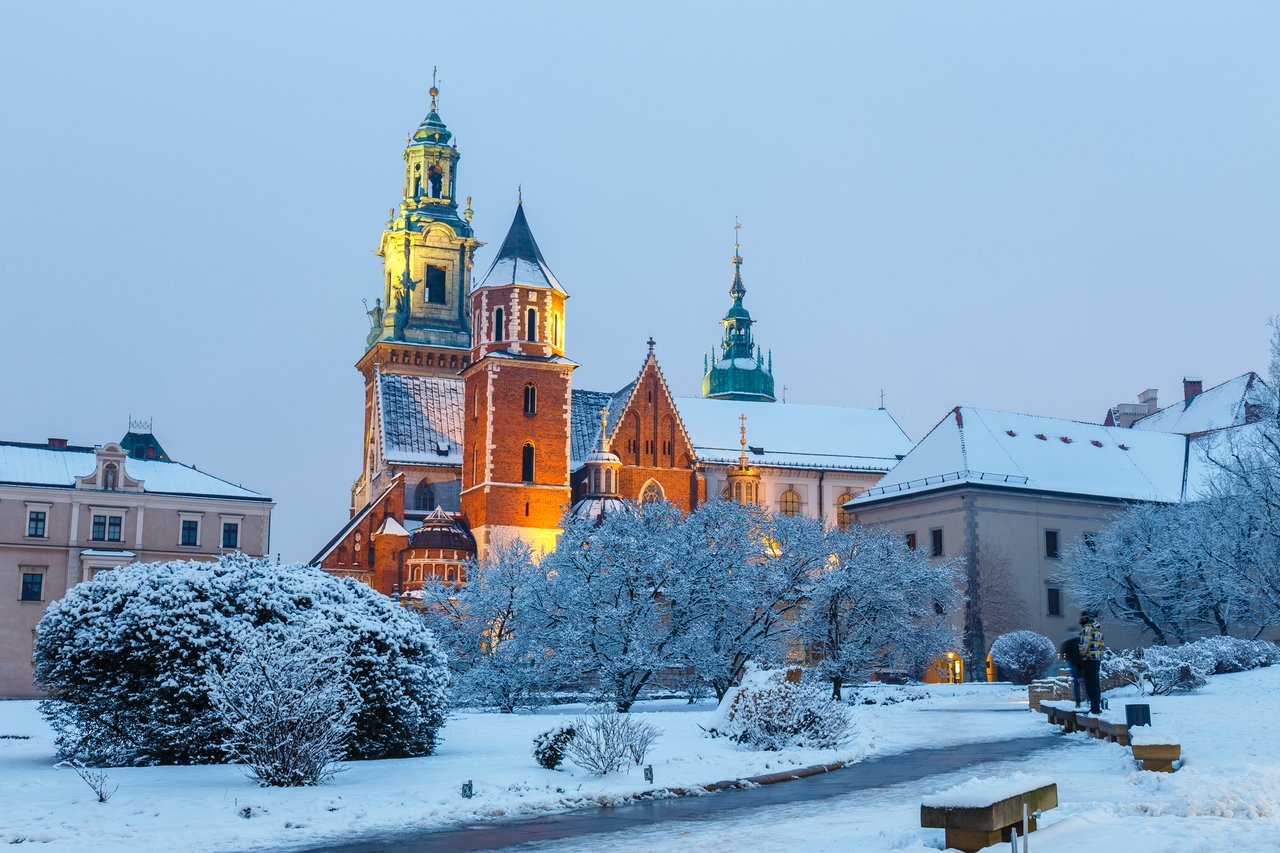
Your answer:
<point x="1091" y="649"/>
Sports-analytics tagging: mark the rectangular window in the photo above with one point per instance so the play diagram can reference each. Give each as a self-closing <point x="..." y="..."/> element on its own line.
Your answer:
<point x="32" y="586"/>
<point x="113" y="528"/>
<point x="1054" y="603"/>
<point x="911" y="541"/>
<point x="1051" y="544"/>
<point x="99" y="533"/>
<point x="190" y="532"/>
<point x="230" y="534"/>
<point x="935" y="542"/>
<point x="35" y="523"/>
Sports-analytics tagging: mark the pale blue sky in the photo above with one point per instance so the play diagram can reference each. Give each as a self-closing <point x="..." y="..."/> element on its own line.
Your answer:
<point x="1037" y="207"/>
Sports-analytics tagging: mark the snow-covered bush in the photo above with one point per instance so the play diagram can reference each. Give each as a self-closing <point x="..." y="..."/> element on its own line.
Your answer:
<point x="1231" y="654"/>
<point x="288" y="706"/>
<point x="126" y="658"/>
<point x="1166" y="670"/>
<point x="549" y="747"/>
<point x="769" y="712"/>
<point x="605" y="741"/>
<point x="1023" y="656"/>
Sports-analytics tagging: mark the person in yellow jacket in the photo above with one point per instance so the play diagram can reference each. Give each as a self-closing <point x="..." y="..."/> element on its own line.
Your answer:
<point x="1091" y="649"/>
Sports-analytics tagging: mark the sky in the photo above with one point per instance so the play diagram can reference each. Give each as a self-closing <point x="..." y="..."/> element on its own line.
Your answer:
<point x="1044" y="208"/>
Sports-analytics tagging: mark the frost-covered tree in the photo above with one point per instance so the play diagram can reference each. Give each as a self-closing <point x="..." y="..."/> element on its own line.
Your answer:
<point x="287" y="705"/>
<point x="742" y="572"/>
<point x="127" y="656"/>
<point x="1023" y="656"/>
<point x="607" y="600"/>
<point x="870" y="595"/>
<point x="493" y="629"/>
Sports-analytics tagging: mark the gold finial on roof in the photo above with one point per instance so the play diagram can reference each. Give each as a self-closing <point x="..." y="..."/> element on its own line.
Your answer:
<point x="435" y="92"/>
<point x="737" y="226"/>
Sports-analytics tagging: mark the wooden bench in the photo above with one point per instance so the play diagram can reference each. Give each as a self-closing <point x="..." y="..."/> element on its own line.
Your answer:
<point x="1157" y="756"/>
<point x="972" y="828"/>
<point x="1114" y="732"/>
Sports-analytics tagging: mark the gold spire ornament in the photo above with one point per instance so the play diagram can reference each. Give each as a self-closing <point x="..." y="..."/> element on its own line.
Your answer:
<point x="435" y="91"/>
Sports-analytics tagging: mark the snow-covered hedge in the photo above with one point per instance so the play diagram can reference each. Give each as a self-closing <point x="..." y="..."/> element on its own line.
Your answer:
<point x="1160" y="670"/>
<point x="1023" y="656"/>
<point x="127" y="655"/>
<point x="768" y="712"/>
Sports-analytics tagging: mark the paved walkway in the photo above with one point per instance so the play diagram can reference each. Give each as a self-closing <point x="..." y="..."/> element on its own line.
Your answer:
<point x="875" y="773"/>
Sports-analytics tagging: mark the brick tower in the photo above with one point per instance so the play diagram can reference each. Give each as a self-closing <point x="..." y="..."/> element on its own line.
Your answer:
<point x="515" y="461"/>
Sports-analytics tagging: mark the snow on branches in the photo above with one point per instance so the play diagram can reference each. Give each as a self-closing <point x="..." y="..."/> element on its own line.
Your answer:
<point x="1023" y="656"/>
<point x="128" y="655"/>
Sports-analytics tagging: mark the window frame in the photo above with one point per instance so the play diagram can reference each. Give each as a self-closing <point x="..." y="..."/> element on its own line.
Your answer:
<point x="234" y="530"/>
<point x="24" y="584"/>
<point x="912" y="540"/>
<point x="790" y="503"/>
<point x="98" y="528"/>
<point x="528" y="460"/>
<point x="192" y="524"/>
<point x="37" y="528"/>
<point x="530" y="399"/>
<point x="1052" y="552"/>
<point x="937" y="545"/>
<point x="1053" y="601"/>
<point x="115" y="528"/>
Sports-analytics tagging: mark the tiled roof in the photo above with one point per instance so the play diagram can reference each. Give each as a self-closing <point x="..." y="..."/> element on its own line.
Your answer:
<point x="519" y="259"/>
<point x="421" y="419"/>
<point x="1216" y="408"/>
<point x="584" y="419"/>
<point x="1016" y="451"/>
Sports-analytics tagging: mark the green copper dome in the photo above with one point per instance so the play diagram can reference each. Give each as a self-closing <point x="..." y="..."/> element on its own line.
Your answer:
<point x="737" y="370"/>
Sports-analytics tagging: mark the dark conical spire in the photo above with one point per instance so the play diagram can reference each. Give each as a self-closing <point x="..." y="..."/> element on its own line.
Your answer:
<point x="519" y="259"/>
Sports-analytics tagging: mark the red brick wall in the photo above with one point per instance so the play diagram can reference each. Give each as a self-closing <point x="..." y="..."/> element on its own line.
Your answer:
<point x="651" y="444"/>
<point x="385" y="568"/>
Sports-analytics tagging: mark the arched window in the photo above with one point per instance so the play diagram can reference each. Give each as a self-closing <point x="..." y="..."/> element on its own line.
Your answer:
<point x="531" y="325"/>
<point x="843" y="517"/>
<point x="499" y="325"/>
<point x="608" y="481"/>
<point x="526" y="463"/>
<point x="424" y="496"/>
<point x="789" y="503"/>
<point x="595" y="480"/>
<point x="530" y="399"/>
<point x="737" y="492"/>
<point x="435" y="181"/>
<point x="652" y="493"/>
<point x="109" y="478"/>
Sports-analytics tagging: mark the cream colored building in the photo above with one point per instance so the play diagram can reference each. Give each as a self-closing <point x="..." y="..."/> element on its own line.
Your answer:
<point x="1008" y="492"/>
<point x="67" y="513"/>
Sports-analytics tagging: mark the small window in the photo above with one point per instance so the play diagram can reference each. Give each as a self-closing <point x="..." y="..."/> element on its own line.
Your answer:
<point x="531" y="325"/>
<point x="32" y="586"/>
<point x="499" y="325"/>
<point x="1051" y="544"/>
<point x="434" y="283"/>
<point x="789" y="503"/>
<point x="114" y="524"/>
<point x="230" y="534"/>
<point x="935" y="542"/>
<point x="652" y="493"/>
<point x="36" y="524"/>
<point x="526" y="463"/>
<point x="911" y="541"/>
<point x="844" y="518"/>
<point x="190" y="532"/>
<point x="435" y="182"/>
<point x="1054" y="602"/>
<point x="99" y="532"/>
<point x="530" y="399"/>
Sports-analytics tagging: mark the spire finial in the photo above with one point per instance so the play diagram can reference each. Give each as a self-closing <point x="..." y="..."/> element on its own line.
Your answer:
<point x="742" y="459"/>
<point x="651" y="342"/>
<point x="882" y="398"/>
<point x="519" y="195"/>
<point x="604" y="420"/>
<point x="737" y="226"/>
<point x="435" y="92"/>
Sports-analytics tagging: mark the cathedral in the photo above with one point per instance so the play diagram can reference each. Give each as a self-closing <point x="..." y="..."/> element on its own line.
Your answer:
<point x="474" y="433"/>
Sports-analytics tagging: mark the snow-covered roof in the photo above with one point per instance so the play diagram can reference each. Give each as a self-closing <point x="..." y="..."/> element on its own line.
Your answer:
<point x="1221" y="406"/>
<point x="794" y="435"/>
<point x="1016" y="451"/>
<point x="421" y="419"/>
<point x="41" y="465"/>
<point x="584" y="419"/>
<point x="519" y="259"/>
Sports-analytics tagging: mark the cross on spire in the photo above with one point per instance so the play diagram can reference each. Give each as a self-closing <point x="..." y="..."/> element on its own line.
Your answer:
<point x="651" y="342"/>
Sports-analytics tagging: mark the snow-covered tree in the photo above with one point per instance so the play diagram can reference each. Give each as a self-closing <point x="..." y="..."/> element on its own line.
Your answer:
<point x="1023" y="656"/>
<point x="607" y="600"/>
<point x="127" y="657"/>
<point x="492" y="627"/>
<point x="871" y="595"/>
<point x="287" y="705"/>
<point x="743" y="570"/>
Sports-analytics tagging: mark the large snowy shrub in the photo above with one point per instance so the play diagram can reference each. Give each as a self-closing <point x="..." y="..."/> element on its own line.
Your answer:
<point x="768" y="712"/>
<point x="1023" y="656"/>
<point x="127" y="657"/>
<point x="287" y="704"/>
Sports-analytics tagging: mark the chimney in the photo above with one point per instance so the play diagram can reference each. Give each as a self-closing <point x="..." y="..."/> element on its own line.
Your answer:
<point x="57" y="444"/>
<point x="1191" y="386"/>
<point x="1148" y="398"/>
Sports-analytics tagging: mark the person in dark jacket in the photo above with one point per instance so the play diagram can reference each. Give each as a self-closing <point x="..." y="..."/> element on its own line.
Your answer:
<point x="1091" y="649"/>
<point x="1071" y="654"/>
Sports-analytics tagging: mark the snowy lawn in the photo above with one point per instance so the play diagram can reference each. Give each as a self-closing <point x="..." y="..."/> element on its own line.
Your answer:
<point x="218" y="808"/>
<point x="1226" y="797"/>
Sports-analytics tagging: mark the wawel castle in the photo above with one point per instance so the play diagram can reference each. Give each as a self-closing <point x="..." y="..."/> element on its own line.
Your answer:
<point x="474" y="433"/>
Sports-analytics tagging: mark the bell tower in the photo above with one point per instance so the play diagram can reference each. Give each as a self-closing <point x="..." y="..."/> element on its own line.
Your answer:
<point x="738" y="370"/>
<point x="515" y="464"/>
<point x="427" y="248"/>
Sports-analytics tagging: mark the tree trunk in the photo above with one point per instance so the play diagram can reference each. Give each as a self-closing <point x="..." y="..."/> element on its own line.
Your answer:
<point x="836" y="683"/>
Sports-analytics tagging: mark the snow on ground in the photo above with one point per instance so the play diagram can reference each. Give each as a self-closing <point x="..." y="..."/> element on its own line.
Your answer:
<point x="1226" y="796"/>
<point x="218" y="808"/>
